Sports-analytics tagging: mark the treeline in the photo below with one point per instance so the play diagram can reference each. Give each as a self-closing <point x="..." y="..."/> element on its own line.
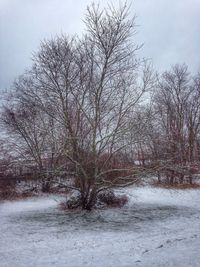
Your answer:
<point x="172" y="140"/>
<point x="89" y="108"/>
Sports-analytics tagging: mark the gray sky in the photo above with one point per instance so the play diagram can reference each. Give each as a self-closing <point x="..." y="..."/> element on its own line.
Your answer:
<point x="169" y="29"/>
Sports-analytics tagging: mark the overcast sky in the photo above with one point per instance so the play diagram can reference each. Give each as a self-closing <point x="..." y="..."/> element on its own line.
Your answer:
<point x="169" y="29"/>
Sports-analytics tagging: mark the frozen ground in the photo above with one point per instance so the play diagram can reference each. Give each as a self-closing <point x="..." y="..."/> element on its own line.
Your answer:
<point x="157" y="228"/>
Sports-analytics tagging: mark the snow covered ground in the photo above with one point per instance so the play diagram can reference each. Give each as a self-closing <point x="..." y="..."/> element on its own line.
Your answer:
<point x="158" y="227"/>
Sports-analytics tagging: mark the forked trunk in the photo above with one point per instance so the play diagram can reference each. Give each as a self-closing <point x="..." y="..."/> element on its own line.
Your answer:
<point x="89" y="200"/>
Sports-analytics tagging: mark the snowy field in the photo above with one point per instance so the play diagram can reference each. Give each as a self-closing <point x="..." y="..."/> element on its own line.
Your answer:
<point x="158" y="227"/>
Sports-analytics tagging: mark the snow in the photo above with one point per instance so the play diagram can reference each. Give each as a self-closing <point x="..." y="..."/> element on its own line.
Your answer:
<point x="158" y="227"/>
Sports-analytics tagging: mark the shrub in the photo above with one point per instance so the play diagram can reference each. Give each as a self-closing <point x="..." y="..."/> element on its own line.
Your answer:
<point x="109" y="198"/>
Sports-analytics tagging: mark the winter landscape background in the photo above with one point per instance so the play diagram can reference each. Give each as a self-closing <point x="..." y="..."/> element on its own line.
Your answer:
<point x="99" y="133"/>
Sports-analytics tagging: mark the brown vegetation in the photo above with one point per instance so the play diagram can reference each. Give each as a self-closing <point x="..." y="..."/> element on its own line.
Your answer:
<point x="177" y="186"/>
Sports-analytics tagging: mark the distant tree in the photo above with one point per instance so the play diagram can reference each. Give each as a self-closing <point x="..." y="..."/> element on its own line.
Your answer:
<point x="176" y="122"/>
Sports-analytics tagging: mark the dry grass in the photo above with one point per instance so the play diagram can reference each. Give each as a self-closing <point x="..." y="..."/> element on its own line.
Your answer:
<point x="177" y="186"/>
<point x="7" y="193"/>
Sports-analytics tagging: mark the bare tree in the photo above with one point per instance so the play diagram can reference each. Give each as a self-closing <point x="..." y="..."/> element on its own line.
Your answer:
<point x="90" y="88"/>
<point x="176" y="123"/>
<point x="29" y="131"/>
